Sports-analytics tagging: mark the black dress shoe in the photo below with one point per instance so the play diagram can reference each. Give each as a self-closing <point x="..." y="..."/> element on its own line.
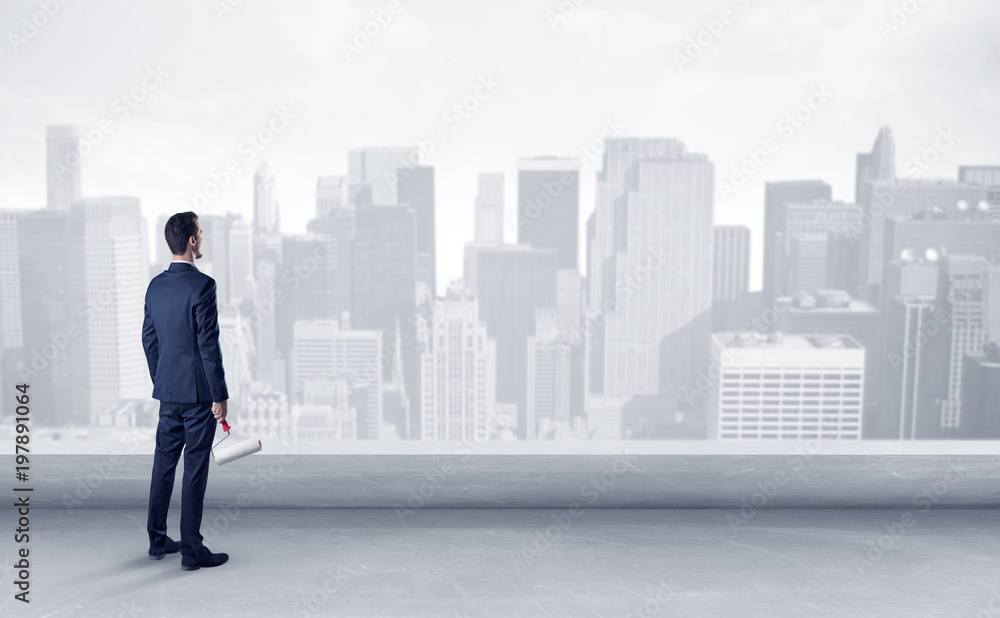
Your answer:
<point x="205" y="559"/>
<point x="169" y="547"/>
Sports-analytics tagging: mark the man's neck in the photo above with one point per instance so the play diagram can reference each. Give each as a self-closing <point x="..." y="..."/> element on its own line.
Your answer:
<point x="184" y="258"/>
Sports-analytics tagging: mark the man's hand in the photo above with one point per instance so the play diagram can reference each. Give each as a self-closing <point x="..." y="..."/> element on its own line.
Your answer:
<point x="219" y="409"/>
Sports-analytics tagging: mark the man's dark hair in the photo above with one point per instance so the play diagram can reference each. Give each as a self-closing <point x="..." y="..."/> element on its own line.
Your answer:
<point x="179" y="229"/>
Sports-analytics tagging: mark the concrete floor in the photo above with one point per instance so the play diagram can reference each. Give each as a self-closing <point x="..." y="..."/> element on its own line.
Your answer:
<point x="446" y="563"/>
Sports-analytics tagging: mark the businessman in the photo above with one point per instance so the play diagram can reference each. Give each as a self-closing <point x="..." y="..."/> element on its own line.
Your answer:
<point x="180" y="334"/>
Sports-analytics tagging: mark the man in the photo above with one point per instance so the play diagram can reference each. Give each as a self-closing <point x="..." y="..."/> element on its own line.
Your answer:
<point x="180" y="335"/>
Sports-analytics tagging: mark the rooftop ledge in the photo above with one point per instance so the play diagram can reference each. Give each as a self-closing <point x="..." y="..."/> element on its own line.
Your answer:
<point x="594" y="474"/>
<point x="142" y="442"/>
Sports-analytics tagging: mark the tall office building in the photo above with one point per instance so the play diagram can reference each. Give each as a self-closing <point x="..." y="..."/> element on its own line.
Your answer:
<point x="489" y="209"/>
<point x="786" y="387"/>
<point x="228" y="255"/>
<point x="11" y="299"/>
<point x="569" y="316"/>
<point x="237" y="348"/>
<point x="335" y="230"/>
<point x="835" y="312"/>
<point x="951" y="230"/>
<point x="62" y="165"/>
<point x="240" y="258"/>
<point x="904" y="198"/>
<point x="416" y="190"/>
<point x="549" y="374"/>
<point x="980" y="393"/>
<point x="943" y="230"/>
<point x="655" y="283"/>
<point x="963" y="296"/>
<point x="879" y="165"/>
<point x="382" y="167"/>
<point x="843" y="263"/>
<point x="915" y="370"/>
<point x="384" y="292"/>
<point x="331" y="194"/>
<point x="730" y="277"/>
<point x="511" y="282"/>
<point x="113" y="260"/>
<point x="458" y="372"/>
<point x="312" y="280"/>
<point x="162" y="249"/>
<point x="11" y="326"/>
<point x="384" y="263"/>
<point x="266" y="218"/>
<point x="264" y="321"/>
<point x="777" y="197"/>
<point x="322" y="351"/>
<point x="548" y="206"/>
<point x="731" y="265"/>
<point x="51" y="293"/>
<point x="817" y="219"/>
<point x="807" y="262"/>
<point x="989" y="177"/>
<point x="606" y="232"/>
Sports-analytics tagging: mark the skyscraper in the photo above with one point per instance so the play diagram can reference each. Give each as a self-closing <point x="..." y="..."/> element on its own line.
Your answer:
<point x="731" y="264"/>
<point x="548" y="206"/>
<point x="879" y="165"/>
<point x="11" y="326"/>
<point x="511" y="282"/>
<point x="489" y="209"/>
<point x="807" y="262"/>
<point x="331" y="194"/>
<point x="382" y="167"/>
<point x="113" y="260"/>
<point x="657" y="279"/>
<point x="265" y="205"/>
<point x="51" y="295"/>
<point x="963" y="297"/>
<point x="62" y="165"/>
<point x="904" y="198"/>
<point x="980" y="392"/>
<point x="458" y="372"/>
<point x="416" y="190"/>
<point x="915" y="370"/>
<point x="549" y="374"/>
<point x="777" y="197"/>
<point x="384" y="290"/>
<point x="240" y="259"/>
<point x="312" y="281"/>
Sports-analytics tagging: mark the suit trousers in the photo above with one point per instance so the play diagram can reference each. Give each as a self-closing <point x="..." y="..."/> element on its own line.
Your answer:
<point x="190" y="426"/>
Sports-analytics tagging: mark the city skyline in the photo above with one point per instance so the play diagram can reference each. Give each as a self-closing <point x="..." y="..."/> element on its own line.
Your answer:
<point x="658" y="314"/>
<point x="624" y="78"/>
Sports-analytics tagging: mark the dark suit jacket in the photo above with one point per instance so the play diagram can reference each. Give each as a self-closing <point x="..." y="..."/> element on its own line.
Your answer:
<point x="180" y="335"/>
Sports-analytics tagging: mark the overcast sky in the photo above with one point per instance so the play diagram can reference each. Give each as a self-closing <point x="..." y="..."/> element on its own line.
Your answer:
<point x="216" y="78"/>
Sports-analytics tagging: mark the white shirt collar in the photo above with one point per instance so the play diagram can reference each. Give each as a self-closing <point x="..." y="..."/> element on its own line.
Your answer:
<point x="185" y="261"/>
